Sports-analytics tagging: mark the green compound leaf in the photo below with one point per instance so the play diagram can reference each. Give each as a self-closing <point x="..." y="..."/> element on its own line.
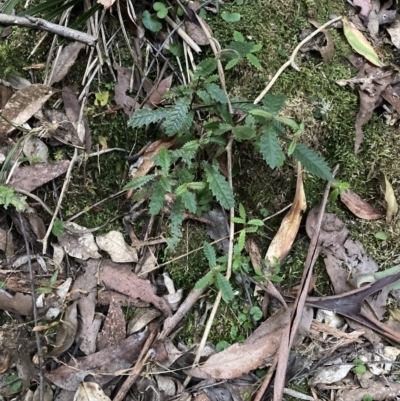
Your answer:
<point x="175" y="226"/>
<point x="256" y="222"/>
<point x="58" y="228"/>
<point x="206" y="67"/>
<point x="219" y="186"/>
<point x="230" y="17"/>
<point x="163" y="159"/>
<point x="204" y="281"/>
<point x="165" y="183"/>
<point x="241" y="240"/>
<point x="157" y="199"/>
<point x="242" y="212"/>
<point x="257" y="47"/>
<point x="144" y="117"/>
<point x="270" y="148"/>
<point x="176" y="117"/>
<point x="253" y="60"/>
<point x="138" y="182"/>
<point x="244" y="133"/>
<point x="273" y="104"/>
<point x="232" y="63"/>
<point x="151" y="23"/>
<point x="216" y="93"/>
<point x="312" y="162"/>
<point x="211" y="256"/>
<point x="225" y="287"/>
<point x="189" y="200"/>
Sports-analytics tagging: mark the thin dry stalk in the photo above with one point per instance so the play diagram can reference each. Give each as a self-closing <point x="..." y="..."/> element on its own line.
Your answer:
<point x="293" y="56"/>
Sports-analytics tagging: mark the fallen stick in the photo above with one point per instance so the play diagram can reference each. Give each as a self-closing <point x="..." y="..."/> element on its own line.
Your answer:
<point x="43" y="25"/>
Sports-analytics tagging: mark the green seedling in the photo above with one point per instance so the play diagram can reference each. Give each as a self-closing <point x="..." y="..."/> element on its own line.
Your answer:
<point x="49" y="287"/>
<point x="339" y="187"/>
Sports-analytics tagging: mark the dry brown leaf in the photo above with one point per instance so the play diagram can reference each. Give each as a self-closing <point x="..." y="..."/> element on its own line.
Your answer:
<point x="102" y="365"/>
<point x="32" y="177"/>
<point x="257" y="350"/>
<point x="365" y="6"/>
<point x="23" y="105"/>
<point x="19" y="304"/>
<point x="114" y="327"/>
<point x="328" y="50"/>
<point x="378" y="390"/>
<point x="78" y="243"/>
<point x="5" y="95"/>
<point x="284" y="238"/>
<point x="394" y="32"/>
<point x="36" y="222"/>
<point x="360" y="207"/>
<point x="66" y="333"/>
<point x="65" y="61"/>
<point x="141" y="318"/>
<point x="35" y="150"/>
<point x="114" y="244"/>
<point x="196" y="32"/>
<point x="157" y="96"/>
<point x="89" y="391"/>
<point x="6" y="243"/>
<point x="120" y="278"/>
<point x="390" y="198"/>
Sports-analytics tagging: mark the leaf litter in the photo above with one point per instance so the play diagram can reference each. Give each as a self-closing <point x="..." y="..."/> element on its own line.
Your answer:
<point x="102" y="344"/>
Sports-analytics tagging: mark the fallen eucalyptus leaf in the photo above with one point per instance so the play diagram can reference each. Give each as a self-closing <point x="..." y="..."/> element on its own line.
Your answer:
<point x="359" y="207"/>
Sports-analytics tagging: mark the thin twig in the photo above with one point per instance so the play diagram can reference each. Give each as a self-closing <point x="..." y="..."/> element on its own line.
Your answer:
<point x="35" y="314"/>
<point x="37" y="199"/>
<point x="228" y="269"/>
<point x="293" y="56"/>
<point x="63" y="190"/>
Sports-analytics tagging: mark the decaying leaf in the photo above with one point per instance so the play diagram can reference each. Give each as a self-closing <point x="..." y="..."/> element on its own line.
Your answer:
<point x="157" y="95"/>
<point x="284" y="238"/>
<point x="365" y="6"/>
<point x="102" y="365"/>
<point x="330" y="374"/>
<point x="219" y="227"/>
<point x="196" y="32"/>
<point x="89" y="391"/>
<point x="390" y="198"/>
<point x="359" y="43"/>
<point x="6" y="243"/>
<point x="141" y="318"/>
<point x="114" y="326"/>
<point x="120" y="278"/>
<point x="66" y="333"/>
<point x="327" y="51"/>
<point x="394" y="32"/>
<point x="32" y="177"/>
<point x="359" y="207"/>
<point x="378" y="390"/>
<point x="65" y="61"/>
<point x="23" y="105"/>
<point x="5" y="94"/>
<point x="257" y="350"/>
<point x="114" y="244"/>
<point x="78" y="242"/>
<point x="35" y="150"/>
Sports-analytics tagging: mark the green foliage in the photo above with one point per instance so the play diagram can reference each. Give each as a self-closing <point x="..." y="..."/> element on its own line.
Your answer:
<point x="368" y="397"/>
<point x="338" y="188"/>
<point x="161" y="9"/>
<point x="359" y="368"/>
<point x="151" y="23"/>
<point x="9" y="197"/>
<point x="221" y="346"/>
<point x="48" y="288"/>
<point x="230" y="17"/>
<point x="15" y="384"/>
<point x="58" y="228"/>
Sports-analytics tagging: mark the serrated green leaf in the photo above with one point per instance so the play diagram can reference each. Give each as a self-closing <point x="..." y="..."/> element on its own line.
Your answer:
<point x="216" y="93"/>
<point x="157" y="199"/>
<point x="230" y="17"/>
<point x="196" y="186"/>
<point x="270" y="148"/>
<point x="204" y="281"/>
<point x="252" y="229"/>
<point x="175" y="226"/>
<point x="212" y="78"/>
<point x="289" y="122"/>
<point x="206" y="67"/>
<point x="163" y="159"/>
<point x="165" y="183"/>
<point x="292" y="147"/>
<point x="242" y="212"/>
<point x="219" y="186"/>
<point x="144" y="117"/>
<point x="204" y="96"/>
<point x="138" y="182"/>
<point x="224" y="286"/>
<point x="253" y="60"/>
<point x="211" y="256"/>
<point x="256" y="222"/>
<point x="189" y="200"/>
<point x="238" y="220"/>
<point x="257" y="47"/>
<point x="151" y="23"/>
<point x="176" y="117"/>
<point x="222" y="128"/>
<point x="273" y="104"/>
<point x="241" y="240"/>
<point x="312" y="162"/>
<point x="243" y="132"/>
<point x="180" y="190"/>
<point x="58" y="228"/>
<point x="238" y="36"/>
<point x="232" y="63"/>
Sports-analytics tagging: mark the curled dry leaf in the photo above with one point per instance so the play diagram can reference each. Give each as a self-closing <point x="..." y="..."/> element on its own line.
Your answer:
<point x="141" y="318"/>
<point x="114" y="244"/>
<point x="78" y="243"/>
<point x="328" y="50"/>
<point x="390" y="198"/>
<point x="284" y="238"/>
<point x="157" y="96"/>
<point x="32" y="177"/>
<point x="238" y="359"/>
<point x="102" y="365"/>
<point x="89" y="391"/>
<point x="360" y="207"/>
<point x="122" y="279"/>
<point x="66" y="333"/>
<point x="65" y="61"/>
<point x="196" y="32"/>
<point x="23" y="105"/>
